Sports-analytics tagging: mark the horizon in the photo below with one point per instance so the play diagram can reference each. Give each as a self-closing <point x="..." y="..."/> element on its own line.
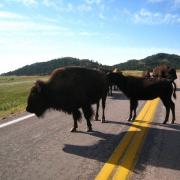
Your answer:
<point x="109" y="32"/>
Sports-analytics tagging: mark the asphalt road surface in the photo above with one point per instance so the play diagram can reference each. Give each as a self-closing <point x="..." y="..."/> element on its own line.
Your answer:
<point x="45" y="149"/>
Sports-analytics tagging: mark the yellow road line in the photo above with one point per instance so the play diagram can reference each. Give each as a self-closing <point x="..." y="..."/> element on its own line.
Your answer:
<point x="123" y="147"/>
<point x="129" y="160"/>
<point x="113" y="160"/>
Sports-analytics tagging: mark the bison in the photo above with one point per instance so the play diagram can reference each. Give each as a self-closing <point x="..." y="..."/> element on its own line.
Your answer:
<point x="146" y="74"/>
<point x="139" y="88"/>
<point x="68" y="90"/>
<point x="165" y="71"/>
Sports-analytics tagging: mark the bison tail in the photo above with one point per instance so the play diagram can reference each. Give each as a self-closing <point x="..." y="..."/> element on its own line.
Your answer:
<point x="174" y="91"/>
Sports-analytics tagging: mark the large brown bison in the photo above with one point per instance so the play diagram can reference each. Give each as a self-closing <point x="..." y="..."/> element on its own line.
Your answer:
<point x="139" y="88"/>
<point x="164" y="71"/>
<point x="68" y="90"/>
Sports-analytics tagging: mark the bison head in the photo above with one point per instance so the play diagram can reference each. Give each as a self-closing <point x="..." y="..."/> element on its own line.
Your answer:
<point x="36" y="102"/>
<point x="172" y="74"/>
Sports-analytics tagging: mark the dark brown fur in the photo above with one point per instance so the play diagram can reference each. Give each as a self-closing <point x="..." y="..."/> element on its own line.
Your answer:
<point x="165" y="71"/>
<point x="69" y="89"/>
<point x="139" y="88"/>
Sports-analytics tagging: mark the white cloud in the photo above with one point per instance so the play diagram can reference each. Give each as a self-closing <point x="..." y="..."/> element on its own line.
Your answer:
<point x="57" y="5"/>
<point x="176" y="1"/>
<point x="10" y="15"/>
<point x="29" y="26"/>
<point x="12" y="22"/>
<point x="173" y="4"/>
<point x="86" y="33"/>
<point x="68" y="6"/>
<point x="89" y="5"/>
<point x="93" y="1"/>
<point x="176" y="4"/>
<point x="126" y="12"/>
<point x="26" y="2"/>
<point x="84" y="8"/>
<point x="147" y="17"/>
<point x="48" y="3"/>
<point x="46" y="19"/>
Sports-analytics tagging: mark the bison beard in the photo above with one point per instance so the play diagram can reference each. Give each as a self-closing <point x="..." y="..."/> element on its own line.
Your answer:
<point x="68" y="90"/>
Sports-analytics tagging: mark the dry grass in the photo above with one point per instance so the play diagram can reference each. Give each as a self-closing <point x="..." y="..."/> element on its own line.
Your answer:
<point x="132" y="73"/>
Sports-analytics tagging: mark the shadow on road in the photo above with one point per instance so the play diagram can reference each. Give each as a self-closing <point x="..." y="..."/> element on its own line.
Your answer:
<point x="161" y="148"/>
<point x="166" y="141"/>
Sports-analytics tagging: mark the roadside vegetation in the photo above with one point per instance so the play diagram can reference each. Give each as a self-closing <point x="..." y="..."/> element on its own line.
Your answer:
<point x="13" y="93"/>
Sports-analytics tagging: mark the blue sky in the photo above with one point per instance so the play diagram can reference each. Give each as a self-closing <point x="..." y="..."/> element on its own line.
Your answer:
<point x="107" y="31"/>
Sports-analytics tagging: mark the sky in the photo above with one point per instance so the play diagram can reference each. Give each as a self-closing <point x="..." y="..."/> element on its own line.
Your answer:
<point x="107" y="31"/>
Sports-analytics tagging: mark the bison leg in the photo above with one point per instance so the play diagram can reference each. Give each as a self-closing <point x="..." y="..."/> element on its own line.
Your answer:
<point x="103" y="109"/>
<point x="110" y="90"/>
<point x="131" y="109"/>
<point x="167" y="106"/>
<point x="88" y="112"/>
<point x="97" y="111"/>
<point x="133" y="106"/>
<point x="76" y="117"/>
<point x="173" y="111"/>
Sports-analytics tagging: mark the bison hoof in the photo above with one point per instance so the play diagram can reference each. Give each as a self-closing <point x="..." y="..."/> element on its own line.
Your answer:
<point x="103" y="120"/>
<point x="134" y="118"/>
<point x="89" y="129"/>
<point x="73" y="129"/>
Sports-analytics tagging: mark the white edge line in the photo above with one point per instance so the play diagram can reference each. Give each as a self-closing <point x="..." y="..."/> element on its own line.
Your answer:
<point x="16" y="120"/>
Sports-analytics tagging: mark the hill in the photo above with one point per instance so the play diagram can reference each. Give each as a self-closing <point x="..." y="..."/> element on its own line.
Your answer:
<point x="147" y="63"/>
<point x="44" y="68"/>
<point x="150" y="62"/>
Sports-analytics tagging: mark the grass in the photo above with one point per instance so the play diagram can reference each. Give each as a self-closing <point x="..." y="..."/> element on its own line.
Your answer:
<point x="14" y="91"/>
<point x="132" y="73"/>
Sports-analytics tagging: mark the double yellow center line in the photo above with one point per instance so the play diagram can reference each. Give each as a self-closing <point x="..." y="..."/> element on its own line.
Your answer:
<point x="122" y="161"/>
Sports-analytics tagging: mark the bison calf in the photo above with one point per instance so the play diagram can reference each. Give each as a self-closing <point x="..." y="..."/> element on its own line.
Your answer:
<point x="69" y="89"/>
<point x="139" y="88"/>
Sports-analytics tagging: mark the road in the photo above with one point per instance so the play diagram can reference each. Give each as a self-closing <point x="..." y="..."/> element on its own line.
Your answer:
<point x="45" y="149"/>
<point x="160" y="156"/>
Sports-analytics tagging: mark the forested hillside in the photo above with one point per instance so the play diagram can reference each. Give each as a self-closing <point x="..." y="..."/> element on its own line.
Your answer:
<point x="150" y="62"/>
<point x="44" y="68"/>
<point x="147" y="63"/>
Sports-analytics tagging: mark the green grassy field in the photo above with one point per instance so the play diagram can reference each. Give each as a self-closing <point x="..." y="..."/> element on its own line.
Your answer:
<point x="13" y="93"/>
